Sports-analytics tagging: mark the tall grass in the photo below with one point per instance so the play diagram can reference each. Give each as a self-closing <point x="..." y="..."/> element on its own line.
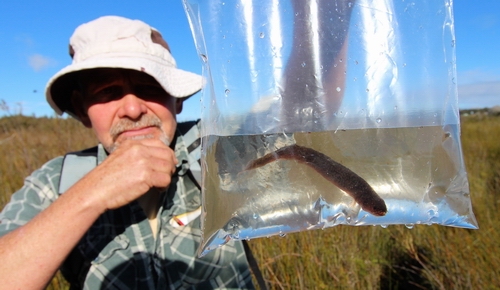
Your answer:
<point x="425" y="257"/>
<point x="26" y="143"/>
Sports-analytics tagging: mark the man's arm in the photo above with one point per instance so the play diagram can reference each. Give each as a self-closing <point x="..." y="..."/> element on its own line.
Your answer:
<point x="32" y="254"/>
<point x="314" y="81"/>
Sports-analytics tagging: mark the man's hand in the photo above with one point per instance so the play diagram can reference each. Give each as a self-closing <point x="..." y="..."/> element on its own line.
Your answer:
<point x="129" y="172"/>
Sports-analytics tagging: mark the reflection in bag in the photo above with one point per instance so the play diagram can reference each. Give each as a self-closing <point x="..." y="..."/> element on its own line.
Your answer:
<point x="320" y="113"/>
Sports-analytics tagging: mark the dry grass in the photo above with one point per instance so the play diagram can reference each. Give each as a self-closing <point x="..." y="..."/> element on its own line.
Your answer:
<point x="426" y="257"/>
<point x="27" y="143"/>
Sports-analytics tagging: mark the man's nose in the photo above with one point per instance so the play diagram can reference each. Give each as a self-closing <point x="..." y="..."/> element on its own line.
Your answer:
<point x="132" y="107"/>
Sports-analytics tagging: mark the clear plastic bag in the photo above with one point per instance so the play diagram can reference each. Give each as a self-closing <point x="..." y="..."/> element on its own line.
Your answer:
<point x="320" y="113"/>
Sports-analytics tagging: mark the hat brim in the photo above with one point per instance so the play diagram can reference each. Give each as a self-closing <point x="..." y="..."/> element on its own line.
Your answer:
<point x="178" y="83"/>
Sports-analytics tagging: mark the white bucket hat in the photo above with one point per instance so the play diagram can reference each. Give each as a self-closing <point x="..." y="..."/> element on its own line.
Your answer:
<point x="117" y="42"/>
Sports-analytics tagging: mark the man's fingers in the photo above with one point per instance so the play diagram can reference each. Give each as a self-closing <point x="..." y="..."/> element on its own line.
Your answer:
<point x="151" y="148"/>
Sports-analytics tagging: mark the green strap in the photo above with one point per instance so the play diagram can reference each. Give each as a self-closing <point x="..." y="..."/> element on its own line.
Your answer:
<point x="190" y="132"/>
<point x="75" y="166"/>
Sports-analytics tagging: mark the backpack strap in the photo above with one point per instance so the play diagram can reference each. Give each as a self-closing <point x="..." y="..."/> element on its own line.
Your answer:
<point x="190" y="132"/>
<point x="75" y="166"/>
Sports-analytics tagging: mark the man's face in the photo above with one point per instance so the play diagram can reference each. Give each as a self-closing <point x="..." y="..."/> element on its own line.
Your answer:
<point x="124" y="104"/>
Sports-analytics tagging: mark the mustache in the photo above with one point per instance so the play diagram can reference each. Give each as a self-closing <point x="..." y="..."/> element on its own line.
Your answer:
<point x="128" y="124"/>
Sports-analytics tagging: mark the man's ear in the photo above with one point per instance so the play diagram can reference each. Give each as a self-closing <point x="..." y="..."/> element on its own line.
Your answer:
<point x="178" y="105"/>
<point x="76" y="101"/>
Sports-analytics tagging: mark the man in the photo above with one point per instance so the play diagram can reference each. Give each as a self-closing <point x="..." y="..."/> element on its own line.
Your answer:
<point x="113" y="227"/>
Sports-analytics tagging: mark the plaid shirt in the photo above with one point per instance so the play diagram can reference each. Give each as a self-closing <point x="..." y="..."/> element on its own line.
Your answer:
<point x="119" y="250"/>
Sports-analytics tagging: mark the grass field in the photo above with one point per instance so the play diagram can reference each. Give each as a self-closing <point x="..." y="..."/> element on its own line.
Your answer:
<point x="425" y="257"/>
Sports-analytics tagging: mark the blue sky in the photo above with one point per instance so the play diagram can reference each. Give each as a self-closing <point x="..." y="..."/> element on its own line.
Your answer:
<point x="34" y="39"/>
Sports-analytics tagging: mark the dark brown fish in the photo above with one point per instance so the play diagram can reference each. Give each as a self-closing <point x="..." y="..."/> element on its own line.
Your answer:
<point x="333" y="171"/>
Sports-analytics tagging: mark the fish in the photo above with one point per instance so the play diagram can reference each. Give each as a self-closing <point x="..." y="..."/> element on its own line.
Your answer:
<point x="341" y="176"/>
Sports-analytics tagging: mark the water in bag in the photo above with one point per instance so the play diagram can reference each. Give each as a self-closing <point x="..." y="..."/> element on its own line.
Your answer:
<point x="320" y="113"/>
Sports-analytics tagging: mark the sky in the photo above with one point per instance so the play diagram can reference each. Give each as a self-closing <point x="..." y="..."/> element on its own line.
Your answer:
<point x="34" y="39"/>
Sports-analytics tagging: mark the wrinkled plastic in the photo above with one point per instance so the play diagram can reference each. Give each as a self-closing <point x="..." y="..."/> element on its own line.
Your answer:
<point x="329" y="95"/>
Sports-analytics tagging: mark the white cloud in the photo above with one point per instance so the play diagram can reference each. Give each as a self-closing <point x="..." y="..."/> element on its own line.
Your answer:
<point x="477" y="76"/>
<point x="479" y="95"/>
<point x="39" y="62"/>
<point x="478" y="88"/>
